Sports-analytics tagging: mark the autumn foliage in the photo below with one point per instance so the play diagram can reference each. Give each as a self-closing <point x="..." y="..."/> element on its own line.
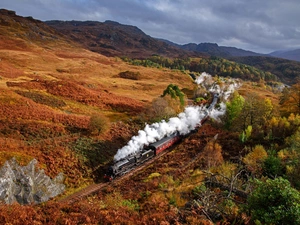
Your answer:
<point x="72" y="109"/>
<point x="212" y="154"/>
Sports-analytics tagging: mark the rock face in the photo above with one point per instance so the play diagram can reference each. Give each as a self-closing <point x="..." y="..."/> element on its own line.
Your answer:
<point x="26" y="184"/>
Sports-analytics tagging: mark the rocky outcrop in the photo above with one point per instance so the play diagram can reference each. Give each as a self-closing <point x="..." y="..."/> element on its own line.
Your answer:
<point x="27" y="184"/>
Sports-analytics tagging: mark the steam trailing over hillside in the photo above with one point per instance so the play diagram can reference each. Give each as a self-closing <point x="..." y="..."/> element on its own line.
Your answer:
<point x="225" y="87"/>
<point x="185" y="122"/>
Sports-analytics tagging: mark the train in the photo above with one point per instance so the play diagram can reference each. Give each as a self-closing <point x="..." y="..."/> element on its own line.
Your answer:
<point x="130" y="162"/>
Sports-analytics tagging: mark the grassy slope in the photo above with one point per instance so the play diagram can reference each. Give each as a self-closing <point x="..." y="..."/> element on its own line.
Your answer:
<point x="76" y="84"/>
<point x="88" y="83"/>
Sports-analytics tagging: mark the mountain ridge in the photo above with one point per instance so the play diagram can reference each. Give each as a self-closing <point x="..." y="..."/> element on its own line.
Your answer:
<point x="114" y="39"/>
<point x="293" y="54"/>
<point x="214" y="49"/>
<point x="111" y="39"/>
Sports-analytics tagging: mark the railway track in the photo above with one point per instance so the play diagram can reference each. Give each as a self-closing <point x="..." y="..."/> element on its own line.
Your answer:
<point x="94" y="188"/>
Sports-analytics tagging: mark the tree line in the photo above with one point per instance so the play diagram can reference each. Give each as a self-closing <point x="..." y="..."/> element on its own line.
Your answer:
<point x="212" y="65"/>
<point x="287" y="70"/>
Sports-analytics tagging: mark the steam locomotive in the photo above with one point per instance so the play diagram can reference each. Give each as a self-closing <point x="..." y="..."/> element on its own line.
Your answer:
<point x="130" y="162"/>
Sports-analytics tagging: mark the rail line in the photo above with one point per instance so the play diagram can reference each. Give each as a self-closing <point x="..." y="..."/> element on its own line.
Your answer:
<point x="97" y="187"/>
<point x="94" y="188"/>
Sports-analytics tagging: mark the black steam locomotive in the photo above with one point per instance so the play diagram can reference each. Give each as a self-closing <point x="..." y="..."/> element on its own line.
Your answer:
<point x="130" y="162"/>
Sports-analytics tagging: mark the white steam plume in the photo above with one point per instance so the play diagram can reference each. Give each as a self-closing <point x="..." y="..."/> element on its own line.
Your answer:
<point x="228" y="85"/>
<point x="184" y="123"/>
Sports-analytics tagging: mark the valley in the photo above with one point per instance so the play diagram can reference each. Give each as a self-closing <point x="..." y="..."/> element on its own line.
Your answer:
<point x="73" y="93"/>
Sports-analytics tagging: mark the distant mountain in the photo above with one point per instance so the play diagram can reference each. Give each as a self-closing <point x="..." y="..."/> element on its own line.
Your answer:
<point x="114" y="39"/>
<point x="287" y="54"/>
<point x="214" y="49"/>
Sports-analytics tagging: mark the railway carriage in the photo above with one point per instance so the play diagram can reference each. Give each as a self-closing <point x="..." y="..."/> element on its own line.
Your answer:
<point x="130" y="162"/>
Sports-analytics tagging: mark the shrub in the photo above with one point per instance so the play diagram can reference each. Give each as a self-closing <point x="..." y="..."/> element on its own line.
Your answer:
<point x="174" y="92"/>
<point x="274" y="202"/>
<point x="114" y="200"/>
<point x="131" y="204"/>
<point x="42" y="98"/>
<point x="255" y="159"/>
<point x="130" y="75"/>
<point x="272" y="167"/>
<point x="161" y="108"/>
<point x="199" y="99"/>
<point x="212" y="154"/>
<point x="98" y="124"/>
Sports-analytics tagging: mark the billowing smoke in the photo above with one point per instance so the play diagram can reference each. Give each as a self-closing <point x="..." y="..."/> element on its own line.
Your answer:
<point x="184" y="123"/>
<point x="205" y="80"/>
<point x="224" y="86"/>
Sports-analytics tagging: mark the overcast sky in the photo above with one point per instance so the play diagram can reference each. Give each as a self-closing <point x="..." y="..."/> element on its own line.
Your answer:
<point x="261" y="26"/>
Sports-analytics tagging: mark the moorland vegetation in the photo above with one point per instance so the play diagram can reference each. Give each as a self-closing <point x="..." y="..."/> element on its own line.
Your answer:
<point x="72" y="109"/>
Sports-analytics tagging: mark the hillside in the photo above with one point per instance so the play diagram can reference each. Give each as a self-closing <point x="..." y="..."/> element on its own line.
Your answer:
<point x="288" y="71"/>
<point x="114" y="39"/>
<point x="50" y="87"/>
<point x="65" y="111"/>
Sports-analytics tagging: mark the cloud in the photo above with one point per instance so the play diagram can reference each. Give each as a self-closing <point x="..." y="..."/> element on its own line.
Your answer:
<point x="261" y="26"/>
